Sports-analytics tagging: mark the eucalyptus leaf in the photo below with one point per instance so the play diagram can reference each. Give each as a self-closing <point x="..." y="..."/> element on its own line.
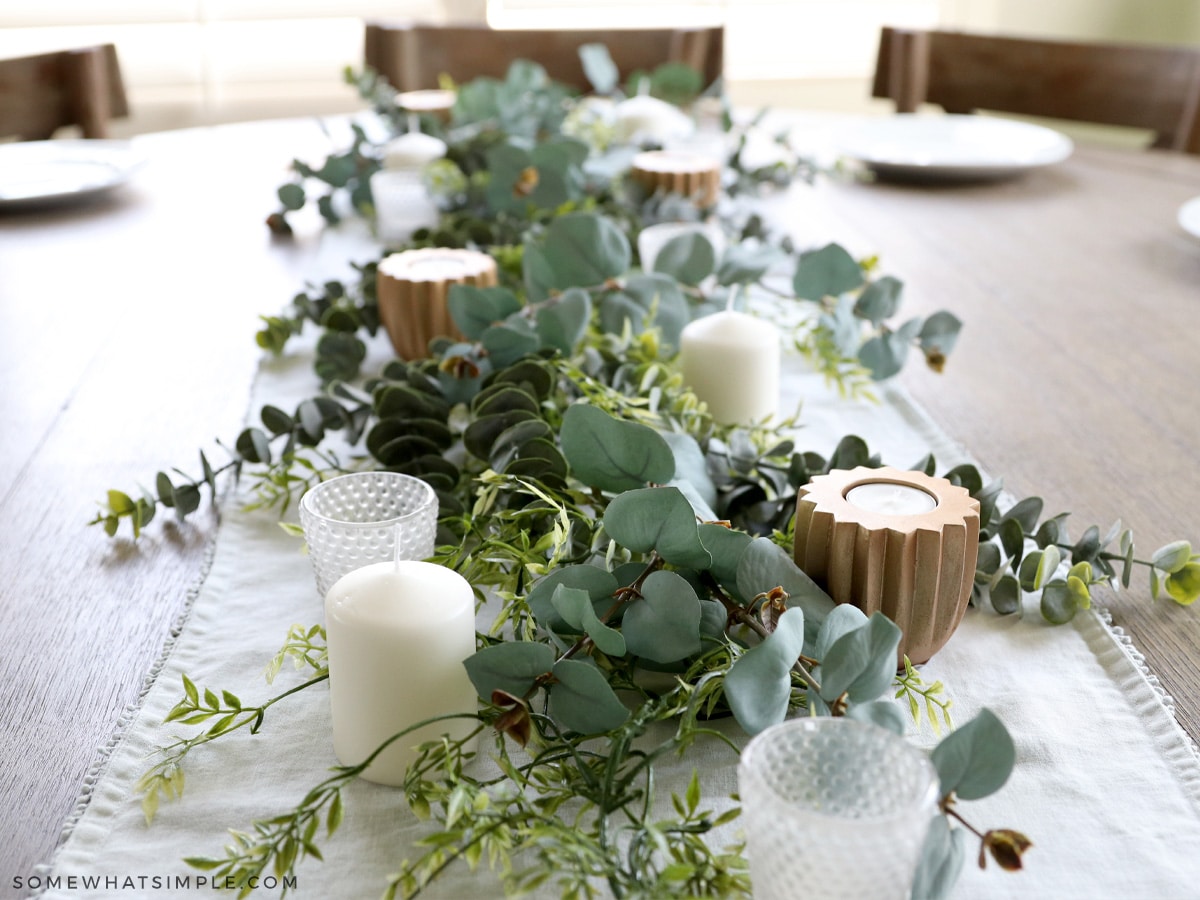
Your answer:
<point x="663" y="625"/>
<point x="585" y="250"/>
<point x="658" y="519"/>
<point x="512" y="667"/>
<point x="851" y="452"/>
<point x="1006" y="595"/>
<point x="691" y="465"/>
<point x="765" y="565"/>
<point x="1026" y="512"/>
<point x="862" y="662"/>
<point x="966" y="476"/>
<point x="745" y="263"/>
<point x="1058" y="603"/>
<point x="1087" y="548"/>
<point x="758" y="685"/>
<point x="252" y="445"/>
<point x="726" y="546"/>
<point x="508" y="341"/>
<point x="1012" y="539"/>
<point x="879" y="300"/>
<point x="599" y="68"/>
<point x="942" y="858"/>
<point x="940" y="332"/>
<point x="475" y="309"/>
<point x="883" y="713"/>
<point x="976" y="759"/>
<point x="842" y="619"/>
<point x="700" y="508"/>
<point x="1172" y="557"/>
<point x="611" y="454"/>
<point x="276" y="420"/>
<point x="688" y="258"/>
<point x="827" y="272"/>
<point x="655" y="299"/>
<point x="480" y="434"/>
<point x="583" y="701"/>
<point x="562" y="321"/>
<point x="502" y="398"/>
<point x="599" y="584"/>
<point x="292" y="196"/>
<point x="574" y="605"/>
<point x="988" y="561"/>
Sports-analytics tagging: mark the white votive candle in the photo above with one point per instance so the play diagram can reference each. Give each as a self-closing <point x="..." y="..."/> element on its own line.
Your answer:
<point x="891" y="499"/>
<point x="398" y="633"/>
<point x="646" y="118"/>
<point x="413" y="150"/>
<point x="731" y="361"/>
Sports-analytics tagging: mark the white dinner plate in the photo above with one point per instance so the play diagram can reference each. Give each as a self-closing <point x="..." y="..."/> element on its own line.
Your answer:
<point x="34" y="171"/>
<point x="951" y="147"/>
<point x="1189" y="216"/>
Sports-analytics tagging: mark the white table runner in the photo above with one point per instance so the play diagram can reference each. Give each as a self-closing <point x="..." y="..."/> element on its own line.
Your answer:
<point x="1107" y="786"/>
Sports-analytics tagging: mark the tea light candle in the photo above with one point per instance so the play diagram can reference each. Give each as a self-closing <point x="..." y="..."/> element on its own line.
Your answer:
<point x="891" y="499"/>
<point x="398" y="633"/>
<point x="731" y="361"/>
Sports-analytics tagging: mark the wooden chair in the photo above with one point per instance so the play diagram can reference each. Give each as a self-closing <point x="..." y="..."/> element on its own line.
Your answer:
<point x="411" y="57"/>
<point x="40" y="94"/>
<point x="1134" y="85"/>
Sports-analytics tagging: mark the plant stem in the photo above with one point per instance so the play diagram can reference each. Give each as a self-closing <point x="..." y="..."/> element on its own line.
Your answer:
<point x="743" y="616"/>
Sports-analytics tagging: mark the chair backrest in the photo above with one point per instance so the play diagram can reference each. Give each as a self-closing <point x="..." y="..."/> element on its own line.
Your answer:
<point x="40" y="94"/>
<point x="411" y="57"/>
<point x="1134" y="85"/>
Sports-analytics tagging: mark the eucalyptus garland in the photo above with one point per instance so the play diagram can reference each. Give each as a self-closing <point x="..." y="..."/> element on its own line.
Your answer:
<point x="620" y="530"/>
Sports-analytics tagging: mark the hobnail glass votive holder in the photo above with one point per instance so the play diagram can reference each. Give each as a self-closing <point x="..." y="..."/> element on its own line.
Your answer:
<point x="353" y="520"/>
<point x="834" y="808"/>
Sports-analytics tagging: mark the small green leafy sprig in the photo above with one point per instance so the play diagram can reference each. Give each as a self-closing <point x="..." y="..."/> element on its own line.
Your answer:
<point x="165" y="779"/>
<point x="1021" y="552"/>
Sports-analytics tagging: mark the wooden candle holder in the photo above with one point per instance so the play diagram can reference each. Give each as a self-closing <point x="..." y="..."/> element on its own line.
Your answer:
<point x="679" y="172"/>
<point x="916" y="569"/>
<point x="412" y="289"/>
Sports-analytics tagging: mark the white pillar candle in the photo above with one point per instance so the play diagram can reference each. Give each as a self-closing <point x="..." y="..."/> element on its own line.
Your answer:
<point x="731" y="361"/>
<point x="891" y="499"/>
<point x="398" y="633"/>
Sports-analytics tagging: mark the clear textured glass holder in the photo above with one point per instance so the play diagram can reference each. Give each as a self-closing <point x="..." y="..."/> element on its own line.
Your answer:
<point x="834" y="809"/>
<point x="403" y="204"/>
<point x="366" y="517"/>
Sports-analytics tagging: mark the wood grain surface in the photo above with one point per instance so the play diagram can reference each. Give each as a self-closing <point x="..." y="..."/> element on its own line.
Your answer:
<point x="126" y="344"/>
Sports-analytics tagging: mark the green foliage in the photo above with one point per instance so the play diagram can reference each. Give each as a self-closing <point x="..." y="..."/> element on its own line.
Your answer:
<point x="613" y="455"/>
<point x="620" y="529"/>
<point x="759" y="684"/>
<point x="976" y="759"/>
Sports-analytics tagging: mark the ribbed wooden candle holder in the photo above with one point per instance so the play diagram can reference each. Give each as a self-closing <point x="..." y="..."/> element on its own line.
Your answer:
<point x="678" y="172"/>
<point x="916" y="569"/>
<point x="412" y="289"/>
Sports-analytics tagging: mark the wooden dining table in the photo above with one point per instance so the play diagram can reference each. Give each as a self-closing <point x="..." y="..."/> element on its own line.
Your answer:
<point x="127" y="345"/>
